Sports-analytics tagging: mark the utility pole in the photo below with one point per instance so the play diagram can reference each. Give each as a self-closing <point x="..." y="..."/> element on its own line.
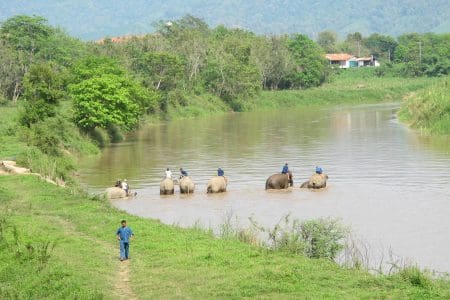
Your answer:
<point x="359" y="48"/>
<point x="420" y="52"/>
<point x="389" y="55"/>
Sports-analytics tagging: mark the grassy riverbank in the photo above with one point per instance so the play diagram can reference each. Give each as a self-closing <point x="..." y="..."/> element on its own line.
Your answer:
<point x="57" y="244"/>
<point x="358" y="86"/>
<point x="429" y="108"/>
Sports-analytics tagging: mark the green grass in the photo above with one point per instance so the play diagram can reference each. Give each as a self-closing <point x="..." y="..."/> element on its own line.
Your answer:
<point x="429" y="108"/>
<point x="10" y="145"/>
<point x="349" y="87"/>
<point x="33" y="147"/>
<point x="197" y="106"/>
<point x="166" y="261"/>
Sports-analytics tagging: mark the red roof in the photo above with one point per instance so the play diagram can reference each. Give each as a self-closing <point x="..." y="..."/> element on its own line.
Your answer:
<point x="338" y="56"/>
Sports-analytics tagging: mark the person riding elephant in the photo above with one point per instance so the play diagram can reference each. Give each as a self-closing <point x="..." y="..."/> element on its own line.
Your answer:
<point x="217" y="184"/>
<point x="317" y="181"/>
<point x="183" y="173"/>
<point x="187" y="186"/>
<point x="279" y="181"/>
<point x="166" y="187"/>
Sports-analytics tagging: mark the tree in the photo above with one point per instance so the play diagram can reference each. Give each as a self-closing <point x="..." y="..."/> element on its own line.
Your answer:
<point x="311" y="65"/>
<point x="104" y="101"/>
<point x="230" y="72"/>
<point x="274" y="61"/>
<point x="327" y="40"/>
<point x="25" y="33"/>
<point x="11" y="73"/>
<point x="104" y="95"/>
<point x="381" y="46"/>
<point x="43" y="92"/>
<point x="159" y="70"/>
<point x="354" y="45"/>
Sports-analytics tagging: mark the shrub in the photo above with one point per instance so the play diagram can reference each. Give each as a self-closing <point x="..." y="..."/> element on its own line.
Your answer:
<point x="99" y="136"/>
<point x="415" y="276"/>
<point x="115" y="133"/>
<point x="321" y="238"/>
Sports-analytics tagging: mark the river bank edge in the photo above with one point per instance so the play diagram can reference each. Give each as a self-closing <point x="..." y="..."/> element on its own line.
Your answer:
<point x="26" y="200"/>
<point x="74" y="254"/>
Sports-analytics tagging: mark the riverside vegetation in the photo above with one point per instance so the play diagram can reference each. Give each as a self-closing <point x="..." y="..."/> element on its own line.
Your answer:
<point x="62" y="98"/>
<point x="429" y="108"/>
<point x="64" y="241"/>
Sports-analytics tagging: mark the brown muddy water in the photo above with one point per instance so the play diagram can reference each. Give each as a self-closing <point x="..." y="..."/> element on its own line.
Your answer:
<point x="388" y="183"/>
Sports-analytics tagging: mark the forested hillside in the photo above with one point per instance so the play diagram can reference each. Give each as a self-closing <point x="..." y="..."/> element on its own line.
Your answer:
<point x="91" y="19"/>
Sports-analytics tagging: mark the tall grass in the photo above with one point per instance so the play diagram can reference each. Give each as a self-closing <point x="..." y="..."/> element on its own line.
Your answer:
<point x="429" y="108"/>
<point x="348" y="87"/>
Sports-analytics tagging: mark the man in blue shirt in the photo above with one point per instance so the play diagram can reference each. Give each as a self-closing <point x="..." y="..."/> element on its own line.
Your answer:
<point x="124" y="234"/>
<point x="183" y="173"/>
<point x="319" y="170"/>
<point x="285" y="169"/>
<point x="220" y="172"/>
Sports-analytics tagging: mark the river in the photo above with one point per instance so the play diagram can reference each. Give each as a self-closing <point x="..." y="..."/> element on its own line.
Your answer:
<point x="388" y="183"/>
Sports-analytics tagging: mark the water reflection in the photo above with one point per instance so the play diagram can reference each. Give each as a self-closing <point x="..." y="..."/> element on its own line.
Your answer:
<point x="386" y="181"/>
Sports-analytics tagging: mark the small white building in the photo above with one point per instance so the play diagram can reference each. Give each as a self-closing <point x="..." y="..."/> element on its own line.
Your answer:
<point x="345" y="61"/>
<point x="341" y="60"/>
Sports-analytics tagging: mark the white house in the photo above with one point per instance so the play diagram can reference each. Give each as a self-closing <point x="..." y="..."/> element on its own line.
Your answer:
<point x="345" y="61"/>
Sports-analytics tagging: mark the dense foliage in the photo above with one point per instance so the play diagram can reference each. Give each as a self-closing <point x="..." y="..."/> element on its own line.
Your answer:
<point x="95" y="19"/>
<point x="408" y="55"/>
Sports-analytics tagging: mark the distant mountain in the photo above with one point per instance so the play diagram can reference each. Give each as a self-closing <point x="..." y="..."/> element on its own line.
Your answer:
<point x="93" y="19"/>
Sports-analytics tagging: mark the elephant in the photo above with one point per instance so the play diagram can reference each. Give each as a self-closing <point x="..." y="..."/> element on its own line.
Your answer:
<point x="217" y="184"/>
<point x="187" y="186"/>
<point x="166" y="187"/>
<point x="316" y="181"/>
<point x="279" y="181"/>
<point x="115" y="193"/>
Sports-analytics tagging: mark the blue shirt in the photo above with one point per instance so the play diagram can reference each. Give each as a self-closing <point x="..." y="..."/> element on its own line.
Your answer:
<point x="125" y="233"/>
<point x="184" y="173"/>
<point x="285" y="170"/>
<point x="220" y="172"/>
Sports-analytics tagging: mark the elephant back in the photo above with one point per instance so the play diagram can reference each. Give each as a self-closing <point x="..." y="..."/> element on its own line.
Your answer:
<point x="166" y="186"/>
<point x="318" y="180"/>
<point x="115" y="193"/>
<point x="186" y="185"/>
<point x="279" y="181"/>
<point x="217" y="184"/>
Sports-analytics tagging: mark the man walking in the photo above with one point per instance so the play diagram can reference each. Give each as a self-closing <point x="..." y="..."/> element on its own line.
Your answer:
<point x="124" y="233"/>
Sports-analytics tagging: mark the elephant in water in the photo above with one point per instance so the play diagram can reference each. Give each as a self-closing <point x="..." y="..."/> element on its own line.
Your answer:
<point x="115" y="193"/>
<point x="187" y="186"/>
<point x="316" y="181"/>
<point x="217" y="184"/>
<point x="279" y="181"/>
<point x="166" y="187"/>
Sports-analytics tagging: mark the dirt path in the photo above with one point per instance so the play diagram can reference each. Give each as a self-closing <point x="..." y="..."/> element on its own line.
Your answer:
<point x="122" y="286"/>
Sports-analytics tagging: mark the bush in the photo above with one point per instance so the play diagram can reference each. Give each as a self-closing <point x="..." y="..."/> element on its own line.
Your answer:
<point x="115" y="134"/>
<point x="48" y="166"/>
<point x="415" y="276"/>
<point x="99" y="136"/>
<point x="429" y="109"/>
<point x="321" y="238"/>
<point x="44" y="138"/>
